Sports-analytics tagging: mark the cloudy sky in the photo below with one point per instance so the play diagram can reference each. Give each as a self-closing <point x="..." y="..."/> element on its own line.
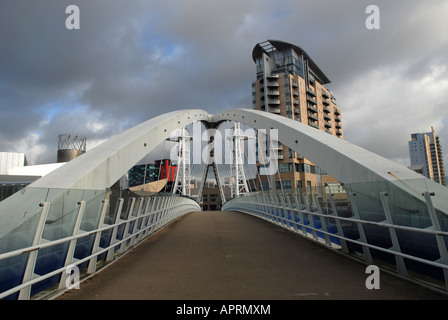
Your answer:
<point x="132" y="60"/>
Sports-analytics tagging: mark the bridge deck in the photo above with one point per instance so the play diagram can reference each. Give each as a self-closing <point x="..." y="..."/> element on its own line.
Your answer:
<point x="229" y="255"/>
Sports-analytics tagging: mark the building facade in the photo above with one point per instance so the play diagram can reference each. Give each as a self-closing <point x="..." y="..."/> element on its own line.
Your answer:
<point x="425" y="152"/>
<point x="145" y="173"/>
<point x="290" y="84"/>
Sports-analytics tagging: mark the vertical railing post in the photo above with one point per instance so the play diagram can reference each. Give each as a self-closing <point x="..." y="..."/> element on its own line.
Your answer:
<point x="25" y="293"/>
<point x="366" y="250"/>
<point x="270" y="202"/>
<point x="310" y="216"/>
<point x="126" y="228"/>
<point x="306" y="202"/>
<point x="136" y="221"/>
<point x="290" y="214"/>
<point x="401" y="266"/>
<point x="160" y="212"/>
<point x="264" y="206"/>
<point x="72" y="246"/>
<point x="157" y="213"/>
<point x="278" y="208"/>
<point x="145" y="221"/>
<point x="113" y="236"/>
<point x="151" y="216"/>
<point x="322" y="221"/>
<point x="440" y="240"/>
<point x="96" y="244"/>
<point x="300" y="212"/>
<point x="281" y="208"/>
<point x="338" y="225"/>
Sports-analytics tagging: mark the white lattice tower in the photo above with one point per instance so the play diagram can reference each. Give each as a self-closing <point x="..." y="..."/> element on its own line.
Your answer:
<point x="238" y="183"/>
<point x="182" y="182"/>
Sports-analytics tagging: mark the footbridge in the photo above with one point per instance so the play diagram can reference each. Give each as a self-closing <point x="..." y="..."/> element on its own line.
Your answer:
<point x="73" y="222"/>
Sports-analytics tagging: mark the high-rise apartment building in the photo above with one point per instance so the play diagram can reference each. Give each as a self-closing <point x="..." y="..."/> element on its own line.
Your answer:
<point x="425" y="151"/>
<point x="289" y="83"/>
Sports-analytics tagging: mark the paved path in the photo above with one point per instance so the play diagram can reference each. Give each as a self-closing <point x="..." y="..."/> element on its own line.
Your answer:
<point x="229" y="255"/>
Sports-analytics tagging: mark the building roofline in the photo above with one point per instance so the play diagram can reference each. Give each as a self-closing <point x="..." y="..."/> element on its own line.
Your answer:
<point x="281" y="45"/>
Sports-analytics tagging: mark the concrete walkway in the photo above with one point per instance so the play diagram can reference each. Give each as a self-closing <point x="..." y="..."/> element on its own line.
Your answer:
<point x="230" y="255"/>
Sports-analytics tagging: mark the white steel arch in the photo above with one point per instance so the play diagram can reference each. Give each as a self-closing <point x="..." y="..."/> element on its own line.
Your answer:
<point x="102" y="166"/>
<point x="348" y="163"/>
<point x="91" y="174"/>
<point x="95" y="170"/>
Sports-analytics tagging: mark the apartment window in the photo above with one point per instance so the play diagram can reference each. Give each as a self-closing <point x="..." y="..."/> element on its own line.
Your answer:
<point x="265" y="185"/>
<point x="285" y="184"/>
<point x="284" y="167"/>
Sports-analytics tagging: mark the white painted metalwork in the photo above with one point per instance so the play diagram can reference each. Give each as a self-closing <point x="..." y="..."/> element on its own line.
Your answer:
<point x="182" y="182"/>
<point x="348" y="163"/>
<point x="97" y="169"/>
<point x="238" y="182"/>
<point x="210" y="162"/>
<point x="297" y="216"/>
<point x="145" y="222"/>
<point x="75" y="212"/>
<point x="88" y="177"/>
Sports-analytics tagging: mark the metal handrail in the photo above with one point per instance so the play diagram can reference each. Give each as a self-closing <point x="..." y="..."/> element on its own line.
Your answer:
<point x="264" y="210"/>
<point x="166" y="211"/>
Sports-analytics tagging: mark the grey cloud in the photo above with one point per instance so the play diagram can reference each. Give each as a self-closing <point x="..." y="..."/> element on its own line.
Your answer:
<point x="132" y="60"/>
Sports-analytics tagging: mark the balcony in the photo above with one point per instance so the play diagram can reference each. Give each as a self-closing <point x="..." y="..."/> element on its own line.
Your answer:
<point x="325" y="102"/>
<point x="312" y="116"/>
<point x="274" y="101"/>
<point x="273" y="84"/>
<point x="310" y="91"/>
<point x="294" y="84"/>
<point x="327" y="116"/>
<point x="336" y="112"/>
<point x="296" y="102"/>
<point x="272" y="76"/>
<point x="325" y="94"/>
<point x="275" y="110"/>
<point x="327" y="110"/>
<point x="273" y="92"/>
<point x="312" y="108"/>
<point x="328" y="124"/>
<point x="313" y="124"/>
<point x="311" y="101"/>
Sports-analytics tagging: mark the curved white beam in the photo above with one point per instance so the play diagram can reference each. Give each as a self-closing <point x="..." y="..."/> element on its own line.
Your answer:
<point x="102" y="166"/>
<point x="92" y="173"/>
<point x="348" y="163"/>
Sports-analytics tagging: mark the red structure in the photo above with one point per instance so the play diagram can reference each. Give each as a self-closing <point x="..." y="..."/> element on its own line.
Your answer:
<point x="167" y="170"/>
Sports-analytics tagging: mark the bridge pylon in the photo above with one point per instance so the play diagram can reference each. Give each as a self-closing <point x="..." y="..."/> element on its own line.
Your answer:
<point x="238" y="182"/>
<point x="182" y="183"/>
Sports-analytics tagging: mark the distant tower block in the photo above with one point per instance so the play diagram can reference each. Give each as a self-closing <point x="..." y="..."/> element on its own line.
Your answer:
<point x="70" y="146"/>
